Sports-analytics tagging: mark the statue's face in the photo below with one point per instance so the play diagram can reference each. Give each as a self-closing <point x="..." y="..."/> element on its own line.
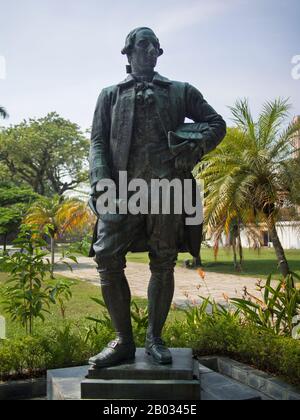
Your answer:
<point x="145" y="51"/>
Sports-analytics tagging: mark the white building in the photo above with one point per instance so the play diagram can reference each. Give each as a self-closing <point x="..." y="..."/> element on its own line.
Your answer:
<point x="288" y="233"/>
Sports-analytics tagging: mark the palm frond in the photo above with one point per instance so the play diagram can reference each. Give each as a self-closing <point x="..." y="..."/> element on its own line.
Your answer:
<point x="59" y="215"/>
<point x="3" y="112"/>
<point x="243" y="118"/>
<point x="271" y="119"/>
<point x="285" y="141"/>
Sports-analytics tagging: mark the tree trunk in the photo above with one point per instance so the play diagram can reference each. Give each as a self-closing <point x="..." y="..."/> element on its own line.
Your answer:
<point x="216" y="250"/>
<point x="52" y="256"/>
<point x="31" y="325"/>
<point x="5" y="243"/>
<point x="241" y="254"/>
<point x="234" y="252"/>
<point x="282" y="261"/>
<point x="31" y="309"/>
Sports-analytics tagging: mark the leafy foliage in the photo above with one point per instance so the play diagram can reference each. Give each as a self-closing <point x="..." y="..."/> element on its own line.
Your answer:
<point x="275" y="312"/>
<point x="139" y="316"/>
<point x="14" y="203"/>
<point x="49" y="154"/>
<point x="15" y="195"/>
<point x="61" y="293"/>
<point x="208" y="311"/>
<point x="32" y="355"/>
<point x="26" y="295"/>
<point x="105" y="320"/>
<point x="81" y="247"/>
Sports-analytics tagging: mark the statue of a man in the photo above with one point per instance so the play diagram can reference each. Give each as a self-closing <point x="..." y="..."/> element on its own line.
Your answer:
<point x="134" y="124"/>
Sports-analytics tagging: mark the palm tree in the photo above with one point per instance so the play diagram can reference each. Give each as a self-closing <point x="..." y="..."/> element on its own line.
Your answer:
<point x="225" y="217"/>
<point x="3" y="112"/>
<point x="58" y="216"/>
<point x="250" y="175"/>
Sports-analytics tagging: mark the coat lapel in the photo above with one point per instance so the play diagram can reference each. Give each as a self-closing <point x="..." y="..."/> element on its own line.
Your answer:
<point x="123" y="117"/>
<point x="122" y="125"/>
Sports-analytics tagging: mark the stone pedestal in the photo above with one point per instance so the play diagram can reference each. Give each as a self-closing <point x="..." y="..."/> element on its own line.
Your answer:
<point x="140" y="380"/>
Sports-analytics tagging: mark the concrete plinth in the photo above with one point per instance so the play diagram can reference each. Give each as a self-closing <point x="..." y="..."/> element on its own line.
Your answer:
<point x="140" y="380"/>
<point x="143" y="368"/>
<point x="140" y="390"/>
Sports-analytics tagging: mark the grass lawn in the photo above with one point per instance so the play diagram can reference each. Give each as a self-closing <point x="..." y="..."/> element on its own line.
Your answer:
<point x="78" y="308"/>
<point x="257" y="264"/>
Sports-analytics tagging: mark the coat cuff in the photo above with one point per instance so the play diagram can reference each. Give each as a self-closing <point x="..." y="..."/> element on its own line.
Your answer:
<point x="98" y="173"/>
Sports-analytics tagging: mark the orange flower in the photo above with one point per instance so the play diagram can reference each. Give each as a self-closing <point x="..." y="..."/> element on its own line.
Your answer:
<point x="226" y="297"/>
<point x="201" y="273"/>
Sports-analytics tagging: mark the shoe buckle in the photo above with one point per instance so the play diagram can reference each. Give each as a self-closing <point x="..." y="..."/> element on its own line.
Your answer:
<point x="113" y="344"/>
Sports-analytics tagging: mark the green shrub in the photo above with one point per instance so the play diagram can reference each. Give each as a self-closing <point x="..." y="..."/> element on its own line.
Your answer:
<point x="277" y="308"/>
<point x="139" y="317"/>
<point x="81" y="247"/>
<point x="221" y="332"/>
<point x="264" y="350"/>
<point x="56" y="348"/>
<point x="26" y="296"/>
<point x="23" y="356"/>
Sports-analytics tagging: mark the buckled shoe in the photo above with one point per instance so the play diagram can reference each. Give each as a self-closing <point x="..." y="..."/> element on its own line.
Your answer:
<point x="114" y="354"/>
<point x="158" y="351"/>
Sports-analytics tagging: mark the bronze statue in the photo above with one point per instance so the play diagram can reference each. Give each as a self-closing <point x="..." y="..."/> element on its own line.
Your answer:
<point x="135" y="124"/>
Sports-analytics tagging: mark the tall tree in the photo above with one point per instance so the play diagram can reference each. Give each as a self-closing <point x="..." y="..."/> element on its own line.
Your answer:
<point x="5" y="176"/>
<point x="251" y="174"/>
<point x="50" y="154"/>
<point x="14" y="203"/>
<point x="229" y="219"/>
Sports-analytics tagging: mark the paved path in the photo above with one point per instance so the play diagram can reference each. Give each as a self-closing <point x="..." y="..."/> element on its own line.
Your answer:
<point x="189" y="284"/>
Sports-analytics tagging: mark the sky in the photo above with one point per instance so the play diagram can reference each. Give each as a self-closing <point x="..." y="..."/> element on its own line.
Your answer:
<point x="57" y="55"/>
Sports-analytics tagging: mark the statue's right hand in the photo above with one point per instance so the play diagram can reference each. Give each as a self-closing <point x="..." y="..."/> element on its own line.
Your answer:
<point x="93" y="192"/>
<point x="94" y="195"/>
